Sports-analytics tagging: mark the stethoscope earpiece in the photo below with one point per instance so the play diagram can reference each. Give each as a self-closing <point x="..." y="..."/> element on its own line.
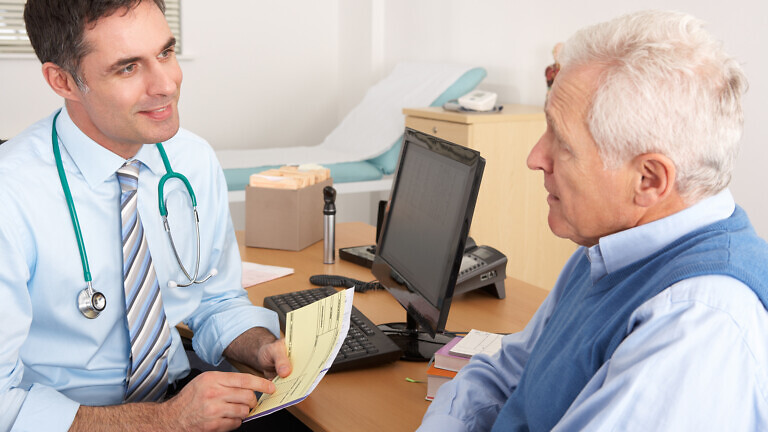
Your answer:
<point x="174" y="284"/>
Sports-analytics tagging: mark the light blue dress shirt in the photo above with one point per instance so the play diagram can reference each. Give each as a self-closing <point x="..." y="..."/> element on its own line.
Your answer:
<point x="52" y="358"/>
<point x="695" y="358"/>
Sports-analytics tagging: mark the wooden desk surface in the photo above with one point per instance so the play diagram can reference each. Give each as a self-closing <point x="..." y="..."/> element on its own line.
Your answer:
<point x="379" y="398"/>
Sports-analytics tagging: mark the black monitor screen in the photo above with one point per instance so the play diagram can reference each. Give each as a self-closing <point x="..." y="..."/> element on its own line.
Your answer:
<point x="425" y="227"/>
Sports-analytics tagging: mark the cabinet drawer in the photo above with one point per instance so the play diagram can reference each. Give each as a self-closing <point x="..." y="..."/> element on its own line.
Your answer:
<point x="454" y="132"/>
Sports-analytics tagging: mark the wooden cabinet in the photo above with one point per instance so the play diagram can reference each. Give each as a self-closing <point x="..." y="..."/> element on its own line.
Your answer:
<point x="511" y="211"/>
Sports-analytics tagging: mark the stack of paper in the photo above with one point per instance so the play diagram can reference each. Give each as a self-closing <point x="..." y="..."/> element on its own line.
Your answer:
<point x="477" y="342"/>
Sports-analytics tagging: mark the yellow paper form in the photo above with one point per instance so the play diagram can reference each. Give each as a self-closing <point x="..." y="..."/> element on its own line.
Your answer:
<point x="313" y="335"/>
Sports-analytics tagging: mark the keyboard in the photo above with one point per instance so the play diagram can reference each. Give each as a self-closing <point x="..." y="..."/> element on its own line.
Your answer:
<point x="365" y="345"/>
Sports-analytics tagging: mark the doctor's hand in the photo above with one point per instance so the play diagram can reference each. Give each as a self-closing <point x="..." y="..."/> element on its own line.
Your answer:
<point x="214" y="401"/>
<point x="259" y="349"/>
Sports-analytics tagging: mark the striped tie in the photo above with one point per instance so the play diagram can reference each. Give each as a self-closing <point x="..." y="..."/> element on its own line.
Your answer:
<point x="147" y="327"/>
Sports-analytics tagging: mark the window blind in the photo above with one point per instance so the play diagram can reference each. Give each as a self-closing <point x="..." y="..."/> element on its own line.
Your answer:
<point x="13" y="35"/>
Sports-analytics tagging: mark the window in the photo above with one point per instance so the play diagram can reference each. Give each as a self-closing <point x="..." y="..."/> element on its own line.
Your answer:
<point x="13" y="35"/>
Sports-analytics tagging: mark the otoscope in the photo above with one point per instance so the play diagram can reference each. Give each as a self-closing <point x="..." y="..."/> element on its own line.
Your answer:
<point x="329" y="227"/>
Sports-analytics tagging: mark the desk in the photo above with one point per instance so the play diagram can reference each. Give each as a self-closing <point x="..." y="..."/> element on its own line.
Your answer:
<point x="379" y="398"/>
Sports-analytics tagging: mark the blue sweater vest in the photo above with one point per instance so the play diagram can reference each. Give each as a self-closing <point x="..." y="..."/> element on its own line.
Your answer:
<point x="590" y="320"/>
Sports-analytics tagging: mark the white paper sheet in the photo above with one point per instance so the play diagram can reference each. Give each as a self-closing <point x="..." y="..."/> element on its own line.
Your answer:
<point x="254" y="273"/>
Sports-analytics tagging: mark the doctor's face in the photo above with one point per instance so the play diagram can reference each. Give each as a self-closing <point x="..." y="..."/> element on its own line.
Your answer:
<point x="132" y="78"/>
<point x="586" y="201"/>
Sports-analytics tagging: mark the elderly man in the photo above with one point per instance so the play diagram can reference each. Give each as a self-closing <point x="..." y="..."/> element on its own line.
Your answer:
<point x="659" y="321"/>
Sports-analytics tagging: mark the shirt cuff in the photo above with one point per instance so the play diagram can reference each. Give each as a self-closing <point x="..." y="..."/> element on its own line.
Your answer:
<point x="222" y="328"/>
<point x="46" y="409"/>
<point x="441" y="423"/>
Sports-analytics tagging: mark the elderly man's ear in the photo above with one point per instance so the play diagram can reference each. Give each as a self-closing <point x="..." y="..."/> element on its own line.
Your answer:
<point x="655" y="180"/>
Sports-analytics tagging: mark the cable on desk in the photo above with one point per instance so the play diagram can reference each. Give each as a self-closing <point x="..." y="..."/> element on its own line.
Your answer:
<point x="406" y="332"/>
<point x="345" y="282"/>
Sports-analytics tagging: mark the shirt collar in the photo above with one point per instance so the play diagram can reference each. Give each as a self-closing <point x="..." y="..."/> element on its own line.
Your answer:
<point x="618" y="250"/>
<point x="95" y="162"/>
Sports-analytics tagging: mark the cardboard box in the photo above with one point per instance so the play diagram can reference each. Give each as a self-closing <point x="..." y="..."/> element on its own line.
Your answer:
<point x="282" y="218"/>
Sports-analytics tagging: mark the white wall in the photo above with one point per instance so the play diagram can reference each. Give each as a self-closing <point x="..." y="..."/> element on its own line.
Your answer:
<point x="513" y="41"/>
<point x="267" y="75"/>
<point x="24" y="94"/>
<point x="284" y="73"/>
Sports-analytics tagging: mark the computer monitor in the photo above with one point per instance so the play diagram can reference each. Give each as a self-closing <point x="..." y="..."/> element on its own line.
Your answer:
<point x="423" y="233"/>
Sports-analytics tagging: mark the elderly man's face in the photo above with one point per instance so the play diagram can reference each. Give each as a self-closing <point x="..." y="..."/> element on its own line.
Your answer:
<point x="585" y="200"/>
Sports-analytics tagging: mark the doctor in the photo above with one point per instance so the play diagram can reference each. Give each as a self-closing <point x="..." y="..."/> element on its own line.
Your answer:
<point x="106" y="363"/>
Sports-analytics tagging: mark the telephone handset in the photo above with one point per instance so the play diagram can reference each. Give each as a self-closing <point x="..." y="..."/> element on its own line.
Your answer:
<point x="482" y="267"/>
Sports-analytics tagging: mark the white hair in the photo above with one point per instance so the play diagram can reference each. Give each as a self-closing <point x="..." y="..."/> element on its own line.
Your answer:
<point x="666" y="86"/>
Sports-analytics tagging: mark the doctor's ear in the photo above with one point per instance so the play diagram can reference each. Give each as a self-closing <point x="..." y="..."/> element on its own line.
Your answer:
<point x="61" y="81"/>
<point x="656" y="179"/>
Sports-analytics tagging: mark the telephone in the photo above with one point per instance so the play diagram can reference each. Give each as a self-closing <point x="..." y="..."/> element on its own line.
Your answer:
<point x="479" y="101"/>
<point x="481" y="266"/>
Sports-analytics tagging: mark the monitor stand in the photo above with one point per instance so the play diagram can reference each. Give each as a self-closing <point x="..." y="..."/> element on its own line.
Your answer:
<point x="416" y="345"/>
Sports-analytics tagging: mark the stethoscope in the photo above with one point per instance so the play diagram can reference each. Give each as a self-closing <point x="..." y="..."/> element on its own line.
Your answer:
<point x="91" y="302"/>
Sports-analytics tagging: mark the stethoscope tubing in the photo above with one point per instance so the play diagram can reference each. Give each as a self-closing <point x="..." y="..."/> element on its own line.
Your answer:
<point x="91" y="302"/>
<point x="70" y="202"/>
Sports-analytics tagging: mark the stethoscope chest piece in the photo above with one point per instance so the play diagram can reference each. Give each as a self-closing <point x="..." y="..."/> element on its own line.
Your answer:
<point x="91" y="302"/>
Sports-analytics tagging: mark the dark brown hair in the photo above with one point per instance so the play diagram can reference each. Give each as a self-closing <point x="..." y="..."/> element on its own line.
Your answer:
<point x="56" y="28"/>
